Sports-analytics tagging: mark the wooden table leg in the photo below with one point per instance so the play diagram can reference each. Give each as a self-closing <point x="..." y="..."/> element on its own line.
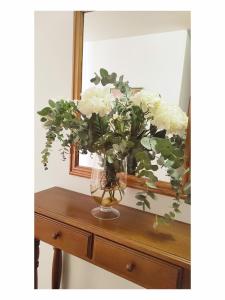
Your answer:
<point x="36" y="262"/>
<point x="56" y="268"/>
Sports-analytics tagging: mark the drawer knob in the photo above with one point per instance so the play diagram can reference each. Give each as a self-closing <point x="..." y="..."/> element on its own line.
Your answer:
<point x="130" y="267"/>
<point x="55" y="235"/>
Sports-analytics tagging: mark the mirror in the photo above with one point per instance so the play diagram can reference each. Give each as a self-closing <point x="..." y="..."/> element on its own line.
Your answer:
<point x="151" y="50"/>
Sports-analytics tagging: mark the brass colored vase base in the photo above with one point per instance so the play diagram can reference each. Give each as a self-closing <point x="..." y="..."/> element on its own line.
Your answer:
<point x="105" y="213"/>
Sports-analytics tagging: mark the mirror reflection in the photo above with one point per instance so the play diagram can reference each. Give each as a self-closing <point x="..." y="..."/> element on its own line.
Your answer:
<point x="151" y="50"/>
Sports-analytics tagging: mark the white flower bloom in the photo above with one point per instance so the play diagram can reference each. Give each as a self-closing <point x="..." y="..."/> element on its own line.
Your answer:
<point x="115" y="116"/>
<point x="146" y="100"/>
<point x="170" y="117"/>
<point x="96" y="100"/>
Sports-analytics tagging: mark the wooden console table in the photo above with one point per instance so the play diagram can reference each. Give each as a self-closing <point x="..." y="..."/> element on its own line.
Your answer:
<point x="127" y="246"/>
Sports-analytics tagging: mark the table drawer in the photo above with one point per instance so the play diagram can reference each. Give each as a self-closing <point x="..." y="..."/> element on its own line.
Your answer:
<point x="142" y="269"/>
<point x="70" y="239"/>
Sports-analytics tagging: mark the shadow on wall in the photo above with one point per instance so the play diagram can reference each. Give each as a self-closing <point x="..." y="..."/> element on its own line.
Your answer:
<point x="65" y="271"/>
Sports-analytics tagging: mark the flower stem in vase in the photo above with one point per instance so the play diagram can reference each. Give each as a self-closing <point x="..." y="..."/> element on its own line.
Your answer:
<point x="107" y="189"/>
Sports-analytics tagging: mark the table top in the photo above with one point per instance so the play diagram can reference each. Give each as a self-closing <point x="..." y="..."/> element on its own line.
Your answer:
<point x="133" y="229"/>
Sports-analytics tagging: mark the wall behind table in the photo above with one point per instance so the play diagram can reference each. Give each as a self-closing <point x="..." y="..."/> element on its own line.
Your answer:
<point x="53" y="71"/>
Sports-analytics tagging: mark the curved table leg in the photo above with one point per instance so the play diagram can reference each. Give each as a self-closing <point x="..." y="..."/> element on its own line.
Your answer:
<point x="56" y="268"/>
<point x="36" y="262"/>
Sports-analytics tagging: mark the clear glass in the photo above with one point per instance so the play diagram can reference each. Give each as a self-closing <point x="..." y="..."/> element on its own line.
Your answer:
<point x="108" y="182"/>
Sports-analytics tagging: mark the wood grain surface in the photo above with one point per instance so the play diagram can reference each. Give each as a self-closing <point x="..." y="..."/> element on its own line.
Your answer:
<point x="133" y="229"/>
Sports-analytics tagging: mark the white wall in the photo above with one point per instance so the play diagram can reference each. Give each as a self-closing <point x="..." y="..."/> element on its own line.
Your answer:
<point x="185" y="91"/>
<point x="151" y="61"/>
<point x="53" y="71"/>
<point x="118" y="24"/>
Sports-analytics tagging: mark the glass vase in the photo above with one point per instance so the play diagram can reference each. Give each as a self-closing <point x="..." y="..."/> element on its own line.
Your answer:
<point x="108" y="182"/>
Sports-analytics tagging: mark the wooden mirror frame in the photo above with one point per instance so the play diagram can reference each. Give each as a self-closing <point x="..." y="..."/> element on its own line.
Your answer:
<point x="163" y="187"/>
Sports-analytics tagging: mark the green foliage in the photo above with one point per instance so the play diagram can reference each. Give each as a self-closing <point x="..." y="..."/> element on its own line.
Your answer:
<point x="143" y="200"/>
<point x="130" y="134"/>
<point x="106" y="78"/>
<point x="57" y="118"/>
<point x="104" y="73"/>
<point x="51" y="103"/>
<point x="95" y="79"/>
<point x="45" y="111"/>
<point x="146" y="143"/>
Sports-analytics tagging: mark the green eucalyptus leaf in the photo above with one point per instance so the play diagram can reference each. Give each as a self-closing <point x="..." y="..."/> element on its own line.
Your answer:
<point x="153" y="142"/>
<point x="148" y="174"/>
<point x="160" y="134"/>
<point x="177" y="163"/>
<point x="168" y="163"/>
<point x="104" y="72"/>
<point x="121" y="78"/>
<point x="153" y="129"/>
<point x="147" y="203"/>
<point x="175" y="205"/>
<point x="160" y="160"/>
<point x="140" y="193"/>
<point x="147" y="164"/>
<point x="141" y="155"/>
<point x="45" y="111"/>
<point x="145" y="141"/>
<point x="140" y="197"/>
<point x="104" y="81"/>
<point x="178" y="173"/>
<point x="172" y="214"/>
<point x="178" y="152"/>
<point x="51" y="103"/>
<point x="96" y="79"/>
<point x="163" y="146"/>
<point x="151" y="185"/>
<point x="167" y="218"/>
<point x="161" y="220"/>
<point x="152" y="177"/>
<point x="151" y="194"/>
<point x="170" y="171"/>
<point x="112" y="78"/>
<point x="154" y="167"/>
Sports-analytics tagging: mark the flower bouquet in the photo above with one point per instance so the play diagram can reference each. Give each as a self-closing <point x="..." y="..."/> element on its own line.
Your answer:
<point x="129" y="133"/>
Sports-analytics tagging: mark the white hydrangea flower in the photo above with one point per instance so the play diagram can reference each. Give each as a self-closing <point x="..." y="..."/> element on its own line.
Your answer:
<point x="115" y="116"/>
<point x="170" y="117"/>
<point x="146" y="100"/>
<point x="96" y="100"/>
